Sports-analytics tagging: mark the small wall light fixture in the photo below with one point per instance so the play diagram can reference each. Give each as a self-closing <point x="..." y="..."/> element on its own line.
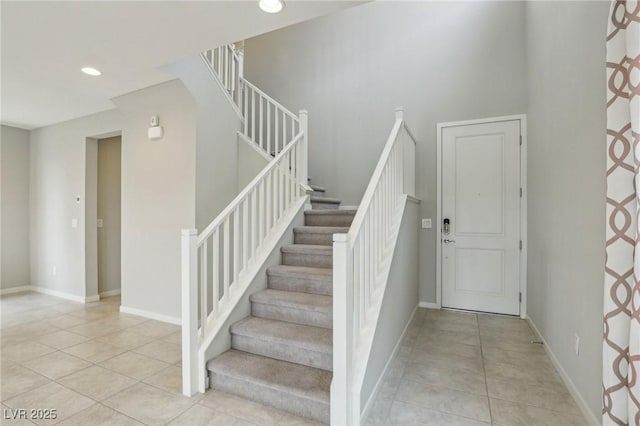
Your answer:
<point x="271" y="6"/>
<point x="91" y="71"/>
<point x="155" y="131"/>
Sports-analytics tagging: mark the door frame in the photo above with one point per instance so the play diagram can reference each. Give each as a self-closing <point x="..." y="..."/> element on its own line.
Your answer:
<point x="523" y="202"/>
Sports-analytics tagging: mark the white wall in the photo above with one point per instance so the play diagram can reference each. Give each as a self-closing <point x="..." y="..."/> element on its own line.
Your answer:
<point x="57" y="170"/>
<point x="251" y="161"/>
<point x="567" y="176"/>
<point x="158" y="195"/>
<point x="91" y="219"/>
<point x="441" y="61"/>
<point x="108" y="209"/>
<point x="14" y="207"/>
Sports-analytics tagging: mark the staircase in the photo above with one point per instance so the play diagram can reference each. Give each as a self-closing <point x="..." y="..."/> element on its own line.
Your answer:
<point x="281" y="355"/>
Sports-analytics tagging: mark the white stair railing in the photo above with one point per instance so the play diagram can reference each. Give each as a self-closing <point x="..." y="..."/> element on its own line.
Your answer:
<point x="219" y="263"/>
<point x="359" y="260"/>
<point x="227" y="64"/>
<point x="265" y="121"/>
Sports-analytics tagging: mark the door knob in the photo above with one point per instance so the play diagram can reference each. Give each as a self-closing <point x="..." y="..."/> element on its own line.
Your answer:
<point x="448" y="241"/>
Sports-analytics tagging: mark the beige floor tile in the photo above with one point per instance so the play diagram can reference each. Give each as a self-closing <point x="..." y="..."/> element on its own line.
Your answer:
<point x="149" y="405"/>
<point x="17" y="379"/>
<point x="474" y="364"/>
<point x="403" y="414"/>
<point x="134" y="365"/>
<point x="125" y="339"/>
<point x="449" y="376"/>
<point x="120" y="321"/>
<point x="450" y="316"/>
<point x="100" y="415"/>
<point x="534" y="376"/>
<point x="199" y="415"/>
<point x="163" y="351"/>
<point x="61" y="339"/>
<point x="66" y="321"/>
<point x="522" y="360"/>
<point x="510" y="344"/>
<point x="56" y="365"/>
<point x="447" y="351"/>
<point x="52" y="396"/>
<point x="444" y="337"/>
<point x="155" y="329"/>
<point x="97" y="382"/>
<point x="175" y="338"/>
<point x="89" y="314"/>
<point x="510" y="414"/>
<point x="94" y="351"/>
<point x="25" y="351"/>
<point x="30" y="330"/>
<point x="446" y="400"/>
<point x="289" y="419"/>
<point x="94" y="329"/>
<point x="245" y="409"/>
<point x="169" y="379"/>
<point x="555" y="398"/>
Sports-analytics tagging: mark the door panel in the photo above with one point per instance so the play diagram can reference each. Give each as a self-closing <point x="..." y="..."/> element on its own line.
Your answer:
<point x="481" y="199"/>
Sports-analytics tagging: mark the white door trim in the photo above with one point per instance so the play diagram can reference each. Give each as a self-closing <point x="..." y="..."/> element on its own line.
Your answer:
<point x="523" y="202"/>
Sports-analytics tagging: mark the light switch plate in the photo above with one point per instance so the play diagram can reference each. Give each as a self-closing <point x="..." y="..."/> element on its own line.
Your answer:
<point x="74" y="223"/>
<point x="426" y="223"/>
<point x="100" y="223"/>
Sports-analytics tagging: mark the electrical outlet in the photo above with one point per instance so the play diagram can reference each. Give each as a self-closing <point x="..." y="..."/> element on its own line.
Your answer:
<point x="426" y="223"/>
<point x="100" y="223"/>
<point x="577" y="344"/>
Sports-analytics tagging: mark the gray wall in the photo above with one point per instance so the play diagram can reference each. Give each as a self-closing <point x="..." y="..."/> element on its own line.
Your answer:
<point x="567" y="161"/>
<point x="109" y="194"/>
<point x="14" y="206"/>
<point x="57" y="171"/>
<point x="158" y="195"/>
<point x="441" y="61"/>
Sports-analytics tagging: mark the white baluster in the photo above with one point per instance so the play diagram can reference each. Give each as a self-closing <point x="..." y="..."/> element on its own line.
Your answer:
<point x="225" y="267"/>
<point x="261" y="130"/>
<point x="189" y="312"/>
<point x="236" y="244"/>
<point x="215" y="271"/>
<point x="254" y="224"/>
<point x="245" y="232"/>
<point x="204" y="277"/>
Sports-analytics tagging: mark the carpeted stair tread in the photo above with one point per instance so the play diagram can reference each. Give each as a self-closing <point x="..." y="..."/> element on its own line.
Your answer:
<point x="301" y="279"/>
<point x="300" y="271"/>
<point x="312" y="249"/>
<point x="317" y="188"/>
<point x="307" y="382"/>
<point x="279" y="332"/>
<point x="325" y="200"/>
<point x="294" y="299"/>
<point x="321" y="229"/>
<point x="340" y="212"/>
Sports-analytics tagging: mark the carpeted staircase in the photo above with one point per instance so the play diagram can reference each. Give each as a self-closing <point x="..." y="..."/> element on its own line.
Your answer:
<point x="281" y="355"/>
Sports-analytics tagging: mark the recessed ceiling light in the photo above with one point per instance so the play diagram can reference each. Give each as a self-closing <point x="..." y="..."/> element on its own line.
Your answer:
<point x="271" y="6"/>
<point x="91" y="71"/>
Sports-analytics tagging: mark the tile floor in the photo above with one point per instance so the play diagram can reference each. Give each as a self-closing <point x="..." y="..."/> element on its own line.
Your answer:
<point x="97" y="366"/>
<point x="100" y="367"/>
<point x="459" y="368"/>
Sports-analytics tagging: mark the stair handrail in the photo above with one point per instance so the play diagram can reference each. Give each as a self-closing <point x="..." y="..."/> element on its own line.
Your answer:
<point x="265" y="121"/>
<point x="359" y="257"/>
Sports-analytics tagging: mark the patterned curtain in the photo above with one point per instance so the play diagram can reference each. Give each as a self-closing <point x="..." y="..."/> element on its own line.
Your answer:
<point x="621" y="347"/>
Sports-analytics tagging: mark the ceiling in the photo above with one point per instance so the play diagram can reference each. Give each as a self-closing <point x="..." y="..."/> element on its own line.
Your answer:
<point x="44" y="45"/>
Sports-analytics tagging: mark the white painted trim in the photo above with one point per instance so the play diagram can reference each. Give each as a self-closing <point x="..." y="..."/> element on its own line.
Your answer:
<point x="111" y="293"/>
<point x="243" y="138"/>
<point x="523" y="203"/>
<point x="387" y="367"/>
<point x="11" y="290"/>
<point x="150" y="315"/>
<point x="573" y="390"/>
<point x="63" y="295"/>
<point x="429" y="305"/>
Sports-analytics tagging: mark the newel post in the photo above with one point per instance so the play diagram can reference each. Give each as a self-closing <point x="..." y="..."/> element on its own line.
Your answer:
<point x="189" y="312"/>
<point x="341" y="386"/>
<point x="304" y="152"/>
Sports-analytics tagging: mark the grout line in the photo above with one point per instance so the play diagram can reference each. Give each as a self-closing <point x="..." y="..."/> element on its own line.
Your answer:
<point x="484" y="371"/>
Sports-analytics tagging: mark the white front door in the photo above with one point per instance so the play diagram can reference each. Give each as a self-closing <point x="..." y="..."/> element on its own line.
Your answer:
<point x="481" y="209"/>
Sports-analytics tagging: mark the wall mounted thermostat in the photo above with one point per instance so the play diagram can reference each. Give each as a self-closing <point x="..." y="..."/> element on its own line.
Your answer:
<point x="155" y="121"/>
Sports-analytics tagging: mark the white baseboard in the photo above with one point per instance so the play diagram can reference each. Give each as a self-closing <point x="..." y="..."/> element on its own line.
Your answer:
<point x="385" y="371"/>
<point x="11" y="290"/>
<point x="150" y="315"/>
<point x="429" y="305"/>
<point x="582" y="404"/>
<point x="110" y="293"/>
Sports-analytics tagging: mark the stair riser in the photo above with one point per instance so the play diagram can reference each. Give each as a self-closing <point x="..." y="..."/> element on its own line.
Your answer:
<point x="314" y="238"/>
<point x="298" y="316"/>
<point x="304" y="285"/>
<point x="324" y="206"/>
<point x="310" y="260"/>
<point x="283" y="352"/>
<point x="328" y="220"/>
<point x="295" y="404"/>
